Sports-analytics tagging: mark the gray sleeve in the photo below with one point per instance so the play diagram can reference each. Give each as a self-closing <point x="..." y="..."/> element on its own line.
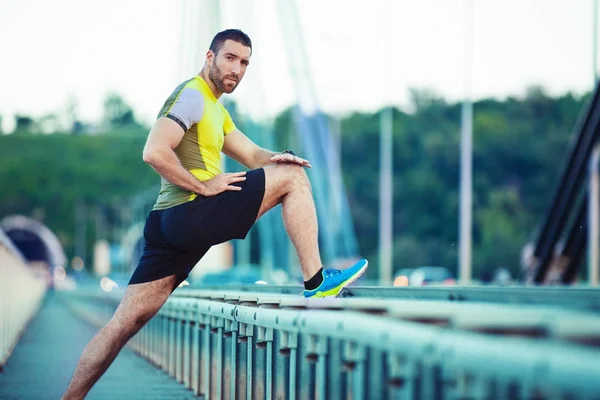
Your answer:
<point x="187" y="109"/>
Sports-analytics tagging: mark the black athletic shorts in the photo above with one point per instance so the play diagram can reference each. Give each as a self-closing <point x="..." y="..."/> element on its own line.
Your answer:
<point x="178" y="237"/>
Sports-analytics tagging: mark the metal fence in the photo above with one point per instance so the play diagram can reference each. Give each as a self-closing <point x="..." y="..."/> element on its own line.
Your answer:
<point x="21" y="292"/>
<point x="573" y="297"/>
<point x="244" y="345"/>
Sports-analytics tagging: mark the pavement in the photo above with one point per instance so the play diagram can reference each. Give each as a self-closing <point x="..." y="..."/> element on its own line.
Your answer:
<point x="43" y="361"/>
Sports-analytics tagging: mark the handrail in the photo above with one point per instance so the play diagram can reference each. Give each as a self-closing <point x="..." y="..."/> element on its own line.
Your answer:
<point x="243" y="347"/>
<point x="579" y="297"/>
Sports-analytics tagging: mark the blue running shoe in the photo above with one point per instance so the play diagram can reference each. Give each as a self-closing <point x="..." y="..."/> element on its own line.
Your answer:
<point x="334" y="280"/>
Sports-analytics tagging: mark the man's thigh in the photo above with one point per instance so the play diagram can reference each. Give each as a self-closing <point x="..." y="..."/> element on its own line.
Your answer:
<point x="161" y="257"/>
<point x="210" y="220"/>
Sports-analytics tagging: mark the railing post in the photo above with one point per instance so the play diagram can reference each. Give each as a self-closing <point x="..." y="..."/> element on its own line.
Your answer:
<point x="217" y="359"/>
<point x="165" y="337"/>
<point x="197" y="353"/>
<point x="179" y="325"/>
<point x="229" y="359"/>
<point x="261" y="364"/>
<point x="188" y="327"/>
<point x="322" y="349"/>
<point x="335" y="387"/>
<point x="172" y="340"/>
<point x="292" y="344"/>
<point x="205" y="358"/>
<point x="241" y="365"/>
<point x="249" y="360"/>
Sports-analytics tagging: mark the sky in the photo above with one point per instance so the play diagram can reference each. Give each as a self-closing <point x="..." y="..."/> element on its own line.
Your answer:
<point x="345" y="56"/>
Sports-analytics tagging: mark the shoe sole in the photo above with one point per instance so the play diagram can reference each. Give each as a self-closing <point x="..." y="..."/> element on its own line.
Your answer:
<point x="335" y="291"/>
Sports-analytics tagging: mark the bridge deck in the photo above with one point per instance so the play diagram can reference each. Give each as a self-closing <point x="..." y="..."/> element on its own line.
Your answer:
<point x="45" y="358"/>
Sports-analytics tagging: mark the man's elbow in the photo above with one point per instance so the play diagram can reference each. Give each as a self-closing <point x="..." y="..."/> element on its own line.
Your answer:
<point x="149" y="156"/>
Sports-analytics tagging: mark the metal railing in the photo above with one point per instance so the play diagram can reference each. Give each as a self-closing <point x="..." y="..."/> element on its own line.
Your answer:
<point x="242" y="345"/>
<point x="574" y="297"/>
<point x="21" y="292"/>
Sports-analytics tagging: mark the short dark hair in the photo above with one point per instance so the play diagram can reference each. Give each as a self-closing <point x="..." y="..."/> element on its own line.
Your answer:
<point x="229" y="34"/>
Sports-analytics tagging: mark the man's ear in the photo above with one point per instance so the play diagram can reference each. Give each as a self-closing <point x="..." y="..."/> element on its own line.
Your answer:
<point x="210" y="57"/>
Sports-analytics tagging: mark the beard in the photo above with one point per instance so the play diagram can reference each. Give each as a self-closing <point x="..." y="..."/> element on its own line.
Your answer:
<point x="218" y="78"/>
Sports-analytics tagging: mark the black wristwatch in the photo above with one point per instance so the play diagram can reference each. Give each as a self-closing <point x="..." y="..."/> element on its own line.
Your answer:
<point x="288" y="152"/>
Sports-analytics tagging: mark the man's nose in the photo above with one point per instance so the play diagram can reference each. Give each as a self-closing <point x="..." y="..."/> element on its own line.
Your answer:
<point x="236" y="68"/>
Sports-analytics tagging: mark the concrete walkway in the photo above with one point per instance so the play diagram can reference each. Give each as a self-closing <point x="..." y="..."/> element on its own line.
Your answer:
<point x="43" y="361"/>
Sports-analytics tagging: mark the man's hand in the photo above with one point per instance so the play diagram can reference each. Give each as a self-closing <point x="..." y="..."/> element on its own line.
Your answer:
<point x="286" y="158"/>
<point x="223" y="182"/>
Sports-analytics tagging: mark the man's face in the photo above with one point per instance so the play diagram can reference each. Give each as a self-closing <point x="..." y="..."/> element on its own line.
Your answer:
<point x="229" y="65"/>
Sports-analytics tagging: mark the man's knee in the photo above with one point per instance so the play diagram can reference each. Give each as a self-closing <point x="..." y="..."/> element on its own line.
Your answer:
<point x="132" y="316"/>
<point x="295" y="175"/>
<point x="129" y="324"/>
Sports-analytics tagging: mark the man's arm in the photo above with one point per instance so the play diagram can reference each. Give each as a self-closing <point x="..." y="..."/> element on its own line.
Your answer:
<point x="239" y="147"/>
<point x="158" y="153"/>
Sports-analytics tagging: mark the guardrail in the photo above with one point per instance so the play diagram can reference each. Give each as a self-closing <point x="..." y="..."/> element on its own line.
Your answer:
<point x="576" y="297"/>
<point x="21" y="292"/>
<point x="242" y="345"/>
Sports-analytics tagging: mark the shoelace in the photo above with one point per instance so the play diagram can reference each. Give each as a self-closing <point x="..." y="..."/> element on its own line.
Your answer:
<point x="332" y="272"/>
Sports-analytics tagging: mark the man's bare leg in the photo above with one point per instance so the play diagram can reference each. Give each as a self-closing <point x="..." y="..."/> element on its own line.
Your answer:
<point x="140" y="303"/>
<point x="288" y="184"/>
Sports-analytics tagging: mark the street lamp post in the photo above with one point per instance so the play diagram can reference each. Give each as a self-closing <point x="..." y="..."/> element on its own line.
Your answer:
<point x="466" y="158"/>
<point x="385" y="197"/>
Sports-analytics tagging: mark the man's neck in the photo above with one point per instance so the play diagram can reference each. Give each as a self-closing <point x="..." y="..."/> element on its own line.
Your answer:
<point x="211" y="85"/>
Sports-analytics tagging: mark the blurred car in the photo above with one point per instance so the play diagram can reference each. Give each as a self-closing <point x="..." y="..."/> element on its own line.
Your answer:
<point x="426" y="275"/>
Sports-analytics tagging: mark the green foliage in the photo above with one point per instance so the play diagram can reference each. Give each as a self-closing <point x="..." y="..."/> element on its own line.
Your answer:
<point x="519" y="148"/>
<point x="119" y="117"/>
<point x="23" y="124"/>
<point x="45" y="175"/>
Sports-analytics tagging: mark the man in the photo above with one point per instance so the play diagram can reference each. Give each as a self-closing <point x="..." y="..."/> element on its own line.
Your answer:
<point x="198" y="206"/>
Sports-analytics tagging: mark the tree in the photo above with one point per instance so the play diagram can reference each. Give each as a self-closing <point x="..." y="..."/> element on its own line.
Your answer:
<point x="518" y="150"/>
<point x="119" y="117"/>
<point x="117" y="112"/>
<point x="24" y="124"/>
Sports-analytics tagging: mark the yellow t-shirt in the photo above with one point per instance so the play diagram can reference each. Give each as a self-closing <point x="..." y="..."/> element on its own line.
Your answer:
<point x="205" y="122"/>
